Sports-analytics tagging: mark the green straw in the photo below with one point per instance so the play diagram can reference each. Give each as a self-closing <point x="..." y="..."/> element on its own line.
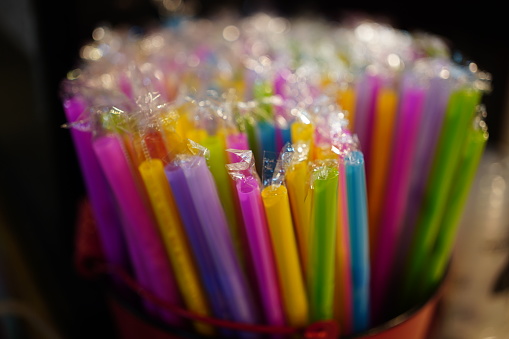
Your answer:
<point x="322" y="243"/>
<point x="466" y="170"/>
<point x="217" y="165"/>
<point x="460" y="111"/>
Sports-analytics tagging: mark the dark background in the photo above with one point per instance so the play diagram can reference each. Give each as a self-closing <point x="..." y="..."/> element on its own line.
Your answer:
<point x="40" y="183"/>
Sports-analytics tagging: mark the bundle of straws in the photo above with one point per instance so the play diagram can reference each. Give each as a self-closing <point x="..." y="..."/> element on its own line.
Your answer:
<point x="272" y="171"/>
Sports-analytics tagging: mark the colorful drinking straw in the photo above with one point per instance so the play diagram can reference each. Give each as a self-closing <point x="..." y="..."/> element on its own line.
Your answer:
<point x="260" y="246"/>
<point x="213" y="225"/>
<point x="172" y="233"/>
<point x="151" y="264"/>
<point x="359" y="247"/>
<point x="461" y="108"/>
<point x="99" y="194"/>
<point x="396" y="199"/>
<point x="322" y="241"/>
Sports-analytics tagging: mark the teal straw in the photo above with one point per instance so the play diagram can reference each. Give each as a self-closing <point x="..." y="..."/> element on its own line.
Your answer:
<point x="359" y="243"/>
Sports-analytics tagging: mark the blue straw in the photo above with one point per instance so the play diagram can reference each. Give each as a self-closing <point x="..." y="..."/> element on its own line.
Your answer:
<point x="359" y="243"/>
<point x="267" y="136"/>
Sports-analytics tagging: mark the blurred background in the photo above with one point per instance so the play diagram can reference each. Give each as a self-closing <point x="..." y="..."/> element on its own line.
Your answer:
<point x="41" y="294"/>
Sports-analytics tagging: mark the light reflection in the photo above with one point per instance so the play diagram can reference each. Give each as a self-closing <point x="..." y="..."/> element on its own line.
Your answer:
<point x="393" y="60"/>
<point x="231" y="33"/>
<point x="98" y="33"/>
<point x="444" y="73"/>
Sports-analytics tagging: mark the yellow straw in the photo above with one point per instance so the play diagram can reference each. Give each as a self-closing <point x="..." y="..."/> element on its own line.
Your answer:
<point x="277" y="208"/>
<point x="300" y="206"/>
<point x="380" y="157"/>
<point x="170" y="227"/>
<point x="346" y="100"/>
<point x="303" y="133"/>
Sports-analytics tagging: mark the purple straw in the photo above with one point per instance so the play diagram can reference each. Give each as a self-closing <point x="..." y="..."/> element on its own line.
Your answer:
<point x="99" y="193"/>
<point x="233" y="283"/>
<point x="405" y="139"/>
<point x="368" y="89"/>
<point x="433" y="117"/>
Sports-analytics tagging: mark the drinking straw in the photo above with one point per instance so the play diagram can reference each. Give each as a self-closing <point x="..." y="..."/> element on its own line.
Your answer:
<point x="248" y="124"/>
<point x="217" y="162"/>
<point x="343" y="276"/>
<point x="197" y="134"/>
<point x="183" y="124"/>
<point x="125" y="86"/>
<point x="151" y="265"/>
<point x="433" y="111"/>
<point x="433" y="117"/>
<point x="283" y="134"/>
<point x="200" y="249"/>
<point x="170" y="227"/>
<point x="277" y="208"/>
<point x="303" y="132"/>
<point x="322" y="242"/>
<point x="266" y="133"/>
<point x="359" y="240"/>
<point x="154" y="142"/>
<point x="260" y="247"/>
<point x="459" y="113"/>
<point x="346" y="101"/>
<point x="214" y="226"/>
<point x="471" y="154"/>
<point x="381" y="146"/>
<point x="236" y="141"/>
<point x="396" y="196"/>
<point x="300" y="204"/>
<point x="99" y="193"/>
<point x="367" y="92"/>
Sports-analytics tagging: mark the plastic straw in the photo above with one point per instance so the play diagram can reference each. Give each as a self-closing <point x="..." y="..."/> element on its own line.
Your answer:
<point x="277" y="208"/>
<point x="466" y="170"/>
<point x="260" y="247"/>
<point x="303" y="133"/>
<point x="99" y="193"/>
<point x="300" y="204"/>
<point x="396" y="197"/>
<point x="367" y="90"/>
<point x="214" y="226"/>
<point x="433" y="117"/>
<point x="199" y="246"/>
<point x="322" y="243"/>
<point x="172" y="233"/>
<point x="346" y="101"/>
<point x="381" y="146"/>
<point x="151" y="265"/>
<point x="217" y="163"/>
<point x="433" y="113"/>
<point x="237" y="141"/>
<point x="459" y="114"/>
<point x="267" y="135"/>
<point x="343" y="293"/>
<point x="359" y="239"/>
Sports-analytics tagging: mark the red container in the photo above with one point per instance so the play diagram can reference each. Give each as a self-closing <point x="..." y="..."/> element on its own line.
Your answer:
<point x="413" y="324"/>
<point x="132" y="323"/>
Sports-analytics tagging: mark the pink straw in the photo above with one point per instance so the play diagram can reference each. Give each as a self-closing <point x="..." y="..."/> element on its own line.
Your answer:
<point x="151" y="264"/>
<point x="405" y="141"/>
<point x="262" y="255"/>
